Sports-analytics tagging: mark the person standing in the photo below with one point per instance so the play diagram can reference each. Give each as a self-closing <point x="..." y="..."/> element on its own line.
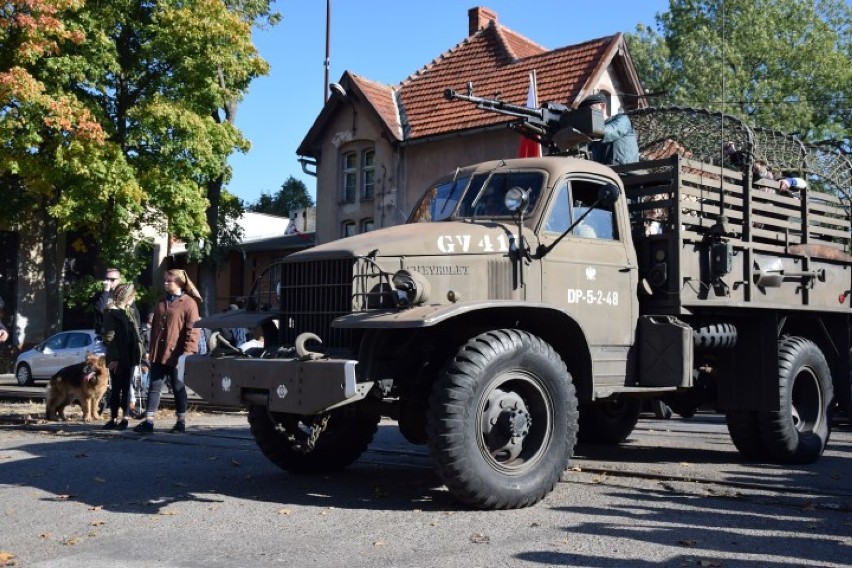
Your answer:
<point x="103" y="299"/>
<point x="618" y="145"/>
<point x="124" y="351"/>
<point x="172" y="335"/>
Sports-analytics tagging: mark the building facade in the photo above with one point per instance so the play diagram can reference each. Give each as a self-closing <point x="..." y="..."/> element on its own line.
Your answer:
<point x="375" y="148"/>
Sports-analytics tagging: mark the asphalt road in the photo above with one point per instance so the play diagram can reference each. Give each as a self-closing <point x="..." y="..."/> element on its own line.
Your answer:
<point x="676" y="494"/>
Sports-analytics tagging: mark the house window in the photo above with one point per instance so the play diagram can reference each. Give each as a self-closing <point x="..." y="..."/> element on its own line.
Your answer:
<point x="358" y="175"/>
<point x="350" y="176"/>
<point x="367" y="225"/>
<point x="368" y="169"/>
<point x="348" y="229"/>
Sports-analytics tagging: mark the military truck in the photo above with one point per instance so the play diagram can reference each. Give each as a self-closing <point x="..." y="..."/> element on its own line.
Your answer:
<point x="529" y="304"/>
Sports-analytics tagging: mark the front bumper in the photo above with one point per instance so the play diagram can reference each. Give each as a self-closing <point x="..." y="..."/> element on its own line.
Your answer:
<point x="282" y="385"/>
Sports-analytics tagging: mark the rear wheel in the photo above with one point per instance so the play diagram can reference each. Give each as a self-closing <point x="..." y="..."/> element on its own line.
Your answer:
<point x="609" y="422"/>
<point x="745" y="434"/>
<point x="24" y="375"/>
<point x="502" y="420"/>
<point x="346" y="436"/>
<point x="799" y="431"/>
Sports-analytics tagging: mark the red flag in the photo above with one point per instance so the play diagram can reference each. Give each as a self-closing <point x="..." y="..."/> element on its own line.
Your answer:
<point x="530" y="148"/>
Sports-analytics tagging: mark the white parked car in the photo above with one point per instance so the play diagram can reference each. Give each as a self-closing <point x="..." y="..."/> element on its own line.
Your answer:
<point x="55" y="352"/>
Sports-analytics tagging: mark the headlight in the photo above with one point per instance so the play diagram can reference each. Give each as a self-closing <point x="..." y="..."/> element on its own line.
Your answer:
<point x="411" y="288"/>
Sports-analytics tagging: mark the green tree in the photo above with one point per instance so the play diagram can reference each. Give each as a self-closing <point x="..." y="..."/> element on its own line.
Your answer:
<point x="779" y="64"/>
<point x="233" y="81"/>
<point x="109" y="114"/>
<point x="292" y="195"/>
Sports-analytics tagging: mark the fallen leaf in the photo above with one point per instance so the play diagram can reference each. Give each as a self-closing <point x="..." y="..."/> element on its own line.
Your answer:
<point x="100" y="480"/>
<point x="480" y="538"/>
<point x="167" y="513"/>
<point x="64" y="497"/>
<point x="687" y="542"/>
<point x="235" y="463"/>
<point x="92" y="534"/>
<point x="98" y="523"/>
<point x="809" y="506"/>
<point x="710" y="563"/>
<point x="82" y="455"/>
<point x="6" y="557"/>
<point x="70" y="541"/>
<point x="284" y="511"/>
<point x="44" y="536"/>
<point x="379" y="544"/>
<point x="576" y="468"/>
<point x="534" y="525"/>
<point x="685" y="464"/>
<point x="96" y="508"/>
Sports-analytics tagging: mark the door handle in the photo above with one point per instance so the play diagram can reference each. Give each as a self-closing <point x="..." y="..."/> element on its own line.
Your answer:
<point x="627" y="268"/>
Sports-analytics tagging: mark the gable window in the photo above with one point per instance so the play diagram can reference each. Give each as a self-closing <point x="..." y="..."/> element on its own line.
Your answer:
<point x="347" y="229"/>
<point x="368" y="174"/>
<point x="367" y="225"/>
<point x="350" y="176"/>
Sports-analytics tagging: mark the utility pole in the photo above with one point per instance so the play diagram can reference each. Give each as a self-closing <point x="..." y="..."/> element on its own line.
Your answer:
<point x="327" y="49"/>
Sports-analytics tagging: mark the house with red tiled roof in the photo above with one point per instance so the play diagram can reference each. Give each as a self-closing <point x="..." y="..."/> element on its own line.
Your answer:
<point x="375" y="147"/>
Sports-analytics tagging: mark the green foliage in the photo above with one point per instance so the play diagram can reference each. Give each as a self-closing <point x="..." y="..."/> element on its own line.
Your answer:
<point x="778" y="64"/>
<point x="292" y="195"/>
<point x="107" y="109"/>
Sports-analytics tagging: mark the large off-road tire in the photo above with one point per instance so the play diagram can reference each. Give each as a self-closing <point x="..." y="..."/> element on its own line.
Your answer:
<point x="745" y="433"/>
<point x="609" y="422"/>
<point x="799" y="431"/>
<point x="24" y="375"/>
<point x="346" y="437"/>
<point x="715" y="336"/>
<point x="502" y="420"/>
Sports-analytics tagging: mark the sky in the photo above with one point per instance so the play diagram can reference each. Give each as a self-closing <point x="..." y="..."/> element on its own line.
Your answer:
<point x="384" y="41"/>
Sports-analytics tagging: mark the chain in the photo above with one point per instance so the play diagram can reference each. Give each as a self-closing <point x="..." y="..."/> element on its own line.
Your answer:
<point x="308" y="445"/>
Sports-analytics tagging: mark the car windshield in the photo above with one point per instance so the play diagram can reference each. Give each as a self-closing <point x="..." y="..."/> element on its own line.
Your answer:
<point x="479" y="197"/>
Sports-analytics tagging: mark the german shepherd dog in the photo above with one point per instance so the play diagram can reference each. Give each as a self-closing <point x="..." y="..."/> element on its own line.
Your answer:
<point x="84" y="383"/>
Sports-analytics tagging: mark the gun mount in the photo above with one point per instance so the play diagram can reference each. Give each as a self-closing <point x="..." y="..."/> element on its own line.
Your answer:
<point x="560" y="129"/>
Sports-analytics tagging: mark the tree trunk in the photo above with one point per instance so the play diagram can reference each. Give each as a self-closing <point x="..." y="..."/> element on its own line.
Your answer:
<point x="53" y="257"/>
<point x="209" y="266"/>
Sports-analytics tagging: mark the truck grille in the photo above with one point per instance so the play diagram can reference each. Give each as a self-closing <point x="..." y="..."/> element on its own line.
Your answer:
<point x="312" y="294"/>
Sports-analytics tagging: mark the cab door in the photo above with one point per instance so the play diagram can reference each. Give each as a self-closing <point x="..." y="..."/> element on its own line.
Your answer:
<point x="591" y="273"/>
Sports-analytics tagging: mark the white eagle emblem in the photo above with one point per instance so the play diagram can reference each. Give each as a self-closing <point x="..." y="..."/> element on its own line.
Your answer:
<point x="226" y="384"/>
<point x="591" y="272"/>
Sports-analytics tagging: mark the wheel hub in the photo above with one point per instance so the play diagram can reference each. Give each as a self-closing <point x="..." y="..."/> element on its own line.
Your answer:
<point x="505" y="423"/>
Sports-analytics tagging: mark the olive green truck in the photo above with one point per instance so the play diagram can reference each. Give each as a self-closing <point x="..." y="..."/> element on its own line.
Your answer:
<point x="531" y="304"/>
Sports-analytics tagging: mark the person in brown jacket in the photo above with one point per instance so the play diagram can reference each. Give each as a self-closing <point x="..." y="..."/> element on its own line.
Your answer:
<point x="172" y="336"/>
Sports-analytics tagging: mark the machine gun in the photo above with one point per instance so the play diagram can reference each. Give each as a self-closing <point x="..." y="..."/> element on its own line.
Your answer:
<point x="559" y="128"/>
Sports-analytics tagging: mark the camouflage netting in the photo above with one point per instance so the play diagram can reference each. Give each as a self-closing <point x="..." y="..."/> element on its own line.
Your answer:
<point x="702" y="135"/>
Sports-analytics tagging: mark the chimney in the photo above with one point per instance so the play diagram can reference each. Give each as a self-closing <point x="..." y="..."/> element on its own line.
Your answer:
<point x="479" y="18"/>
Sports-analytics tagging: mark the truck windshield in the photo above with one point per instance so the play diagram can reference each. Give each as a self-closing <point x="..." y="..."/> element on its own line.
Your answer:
<point x="482" y="198"/>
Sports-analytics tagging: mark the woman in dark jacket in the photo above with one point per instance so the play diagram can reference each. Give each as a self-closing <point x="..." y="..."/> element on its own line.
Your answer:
<point x="123" y="351"/>
<point x="172" y="336"/>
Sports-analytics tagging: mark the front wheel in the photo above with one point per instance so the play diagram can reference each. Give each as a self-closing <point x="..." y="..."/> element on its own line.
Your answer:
<point x="282" y="437"/>
<point x="799" y="431"/>
<point x="24" y="375"/>
<point x="502" y="420"/>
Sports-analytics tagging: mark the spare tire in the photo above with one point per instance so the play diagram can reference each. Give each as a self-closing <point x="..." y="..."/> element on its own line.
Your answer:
<point x="718" y="335"/>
